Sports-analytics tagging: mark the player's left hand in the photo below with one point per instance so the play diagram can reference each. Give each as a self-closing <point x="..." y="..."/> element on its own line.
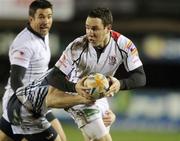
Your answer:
<point x="109" y="118"/>
<point x="114" y="87"/>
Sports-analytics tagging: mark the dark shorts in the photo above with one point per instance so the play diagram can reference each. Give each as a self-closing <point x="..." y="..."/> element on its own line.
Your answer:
<point x="48" y="135"/>
<point x="5" y="126"/>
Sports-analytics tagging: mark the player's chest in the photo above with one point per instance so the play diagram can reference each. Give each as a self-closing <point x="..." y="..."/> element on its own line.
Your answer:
<point x="108" y="60"/>
<point x="41" y="54"/>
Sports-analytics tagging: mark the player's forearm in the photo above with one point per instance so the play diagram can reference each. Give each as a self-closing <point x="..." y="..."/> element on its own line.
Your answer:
<point x="57" y="79"/>
<point x="17" y="74"/>
<point x="136" y="79"/>
<point x="59" y="99"/>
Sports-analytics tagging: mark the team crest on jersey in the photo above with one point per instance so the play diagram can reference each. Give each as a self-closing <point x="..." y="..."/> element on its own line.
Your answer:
<point x="112" y="60"/>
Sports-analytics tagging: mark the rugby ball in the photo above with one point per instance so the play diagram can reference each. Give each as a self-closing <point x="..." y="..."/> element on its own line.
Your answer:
<point x="98" y="84"/>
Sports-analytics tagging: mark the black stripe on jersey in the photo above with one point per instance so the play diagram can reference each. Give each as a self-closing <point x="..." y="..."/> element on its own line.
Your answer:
<point x="36" y="99"/>
<point x="82" y="44"/>
<point x="42" y="92"/>
<point x="122" y="52"/>
<point x="33" y="94"/>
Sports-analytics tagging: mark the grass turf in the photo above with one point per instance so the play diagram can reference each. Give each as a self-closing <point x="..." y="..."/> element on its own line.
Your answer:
<point x="74" y="134"/>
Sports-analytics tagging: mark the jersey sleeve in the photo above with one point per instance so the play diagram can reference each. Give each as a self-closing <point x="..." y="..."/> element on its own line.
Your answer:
<point x="132" y="61"/>
<point x="20" y="56"/>
<point x="65" y="62"/>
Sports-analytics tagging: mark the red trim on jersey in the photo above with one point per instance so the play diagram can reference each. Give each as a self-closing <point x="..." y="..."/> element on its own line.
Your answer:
<point x="115" y="35"/>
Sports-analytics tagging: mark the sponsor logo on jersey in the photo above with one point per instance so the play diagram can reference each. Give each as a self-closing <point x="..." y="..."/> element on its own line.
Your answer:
<point x="90" y="112"/>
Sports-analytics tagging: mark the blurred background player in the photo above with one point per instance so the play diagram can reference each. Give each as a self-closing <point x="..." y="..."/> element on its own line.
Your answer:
<point x="101" y="50"/>
<point x="29" y="56"/>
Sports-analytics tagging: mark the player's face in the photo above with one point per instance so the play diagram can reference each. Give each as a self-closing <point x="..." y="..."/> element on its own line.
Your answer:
<point x="97" y="34"/>
<point x="42" y="21"/>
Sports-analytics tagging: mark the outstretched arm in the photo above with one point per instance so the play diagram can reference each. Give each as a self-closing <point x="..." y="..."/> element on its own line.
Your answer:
<point x="59" y="99"/>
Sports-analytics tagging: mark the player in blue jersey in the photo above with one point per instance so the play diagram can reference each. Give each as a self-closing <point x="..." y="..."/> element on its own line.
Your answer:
<point x="101" y="50"/>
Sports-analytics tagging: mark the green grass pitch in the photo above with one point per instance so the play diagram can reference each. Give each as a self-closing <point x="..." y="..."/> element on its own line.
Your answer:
<point x="74" y="134"/>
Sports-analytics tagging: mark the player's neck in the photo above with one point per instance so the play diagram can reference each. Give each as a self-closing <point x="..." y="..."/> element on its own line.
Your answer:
<point x="106" y="41"/>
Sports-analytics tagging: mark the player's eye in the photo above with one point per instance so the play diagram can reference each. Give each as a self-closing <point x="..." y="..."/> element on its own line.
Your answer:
<point x="41" y="17"/>
<point x="49" y="16"/>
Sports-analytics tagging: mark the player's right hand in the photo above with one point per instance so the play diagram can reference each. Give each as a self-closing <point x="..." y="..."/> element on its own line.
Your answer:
<point x="82" y="90"/>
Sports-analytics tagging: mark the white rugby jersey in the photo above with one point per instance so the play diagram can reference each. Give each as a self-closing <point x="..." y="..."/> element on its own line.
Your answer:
<point x="31" y="52"/>
<point x="80" y="58"/>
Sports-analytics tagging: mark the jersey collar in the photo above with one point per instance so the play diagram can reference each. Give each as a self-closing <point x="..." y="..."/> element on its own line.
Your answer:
<point x="34" y="32"/>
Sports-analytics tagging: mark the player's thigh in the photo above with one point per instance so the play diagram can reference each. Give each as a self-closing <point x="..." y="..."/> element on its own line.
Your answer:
<point x="59" y="129"/>
<point x="4" y="137"/>
<point x="56" y="125"/>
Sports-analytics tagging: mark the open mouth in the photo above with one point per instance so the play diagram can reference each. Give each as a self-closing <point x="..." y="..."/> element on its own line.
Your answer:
<point x="44" y="28"/>
<point x="91" y="40"/>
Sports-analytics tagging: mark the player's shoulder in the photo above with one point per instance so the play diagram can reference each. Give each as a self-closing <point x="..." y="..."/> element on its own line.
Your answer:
<point x="115" y="35"/>
<point x="24" y="34"/>
<point x="79" y="43"/>
<point x="118" y="36"/>
<point x="22" y="37"/>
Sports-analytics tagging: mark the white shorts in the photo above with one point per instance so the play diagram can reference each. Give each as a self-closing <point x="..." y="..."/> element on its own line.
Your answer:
<point x="89" y="118"/>
<point x="95" y="129"/>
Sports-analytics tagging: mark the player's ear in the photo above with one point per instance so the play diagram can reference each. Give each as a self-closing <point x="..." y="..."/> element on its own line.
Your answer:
<point x="109" y="27"/>
<point x="30" y="18"/>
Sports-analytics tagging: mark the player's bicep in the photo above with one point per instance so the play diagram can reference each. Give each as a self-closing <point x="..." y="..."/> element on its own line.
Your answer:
<point x="133" y="61"/>
<point x="20" y="56"/>
<point x="65" y="62"/>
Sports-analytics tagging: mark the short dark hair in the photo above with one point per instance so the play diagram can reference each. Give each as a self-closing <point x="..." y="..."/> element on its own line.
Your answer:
<point x="37" y="4"/>
<point x="103" y="13"/>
